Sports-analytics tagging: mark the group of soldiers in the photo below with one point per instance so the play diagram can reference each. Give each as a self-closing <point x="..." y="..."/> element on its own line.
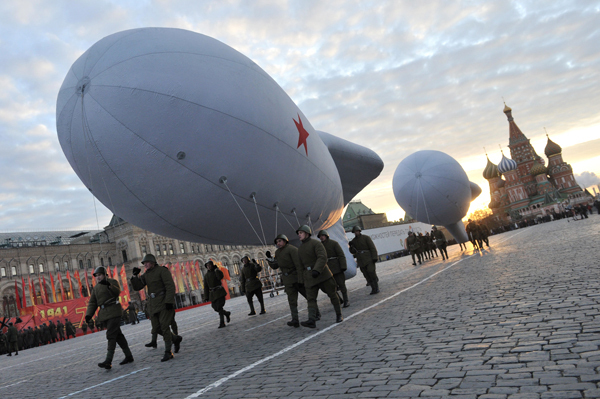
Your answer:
<point x="317" y="265"/>
<point x="425" y="246"/>
<point x="478" y="234"/>
<point x="45" y="334"/>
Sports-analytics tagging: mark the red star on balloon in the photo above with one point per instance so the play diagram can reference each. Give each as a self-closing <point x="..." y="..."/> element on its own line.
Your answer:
<point x="303" y="134"/>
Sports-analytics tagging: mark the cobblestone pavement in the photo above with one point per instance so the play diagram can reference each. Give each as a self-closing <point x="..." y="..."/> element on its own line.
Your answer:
<point x="520" y="320"/>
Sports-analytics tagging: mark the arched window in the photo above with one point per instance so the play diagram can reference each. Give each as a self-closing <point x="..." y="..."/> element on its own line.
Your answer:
<point x="157" y="249"/>
<point x="102" y="262"/>
<point x="31" y="269"/>
<point x="3" y="272"/>
<point x="80" y="264"/>
<point x="56" y="266"/>
<point x="165" y="249"/>
<point x="41" y="268"/>
<point x="144" y="250"/>
<point x="170" y="249"/>
<point x="109" y="261"/>
<point x="124" y="253"/>
<point x="66" y="265"/>
<point x="13" y="270"/>
<point x="89" y="263"/>
<point x="181" y="248"/>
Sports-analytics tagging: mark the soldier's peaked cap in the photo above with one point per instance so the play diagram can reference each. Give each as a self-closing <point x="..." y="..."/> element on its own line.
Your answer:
<point x="100" y="270"/>
<point x="356" y="228"/>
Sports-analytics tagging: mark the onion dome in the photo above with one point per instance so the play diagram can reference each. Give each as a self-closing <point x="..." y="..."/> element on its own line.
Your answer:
<point x="538" y="169"/>
<point x="506" y="165"/>
<point x="552" y="148"/>
<point x="500" y="183"/>
<point x="493" y="204"/>
<point x="506" y="108"/>
<point x="490" y="170"/>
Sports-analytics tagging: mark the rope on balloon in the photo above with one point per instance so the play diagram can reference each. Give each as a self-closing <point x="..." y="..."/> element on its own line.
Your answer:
<point x="279" y="210"/>
<point x="253" y="196"/>
<point x="223" y="180"/>
<point x="424" y="203"/>
<point x="294" y="212"/>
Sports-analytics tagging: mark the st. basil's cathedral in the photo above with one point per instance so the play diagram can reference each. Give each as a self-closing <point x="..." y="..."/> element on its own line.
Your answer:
<point x="523" y="187"/>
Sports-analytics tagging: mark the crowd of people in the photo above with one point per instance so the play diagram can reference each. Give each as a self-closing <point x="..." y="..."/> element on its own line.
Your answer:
<point x="48" y="333"/>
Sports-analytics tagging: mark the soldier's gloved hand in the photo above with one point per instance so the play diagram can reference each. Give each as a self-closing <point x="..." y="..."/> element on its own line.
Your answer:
<point x="104" y="282"/>
<point x="169" y="306"/>
<point x="374" y="260"/>
<point x="254" y="261"/>
<point x="88" y="319"/>
<point x="136" y="271"/>
<point x="268" y="254"/>
<point x="315" y="273"/>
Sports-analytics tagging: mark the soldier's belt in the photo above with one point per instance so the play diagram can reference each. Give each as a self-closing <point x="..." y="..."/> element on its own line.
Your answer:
<point x="216" y="288"/>
<point x="250" y="279"/>
<point x="362" y="252"/>
<point x="108" y="303"/>
<point x="156" y="294"/>
<point x="333" y="257"/>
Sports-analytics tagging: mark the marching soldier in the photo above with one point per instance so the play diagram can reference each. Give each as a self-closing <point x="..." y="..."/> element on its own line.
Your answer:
<point x="105" y="295"/>
<point x="413" y="245"/>
<point x="316" y="275"/>
<point x="251" y="285"/>
<point x="52" y="328"/>
<point x="440" y="241"/>
<point x="286" y="259"/>
<point x="473" y="234"/>
<point x="215" y="292"/>
<point x="364" y="250"/>
<point x="133" y="314"/>
<point x="336" y="260"/>
<point x="60" y="329"/>
<point x="484" y="233"/>
<point x="424" y="246"/>
<point x="161" y="301"/>
<point x="12" y="337"/>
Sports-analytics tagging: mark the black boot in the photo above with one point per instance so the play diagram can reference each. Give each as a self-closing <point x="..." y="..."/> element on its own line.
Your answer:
<point x="339" y="318"/>
<point x="105" y="365"/>
<point x="345" y="301"/>
<point x="177" y="342"/>
<point x="168" y="356"/>
<point x="262" y="308"/>
<point x="128" y="359"/>
<point x="227" y="314"/>
<point x="318" y="316"/>
<point x="375" y="289"/>
<point x="222" y="319"/>
<point x="151" y="345"/>
<point x="293" y="323"/>
<point x="309" y="323"/>
<point x="252" y="311"/>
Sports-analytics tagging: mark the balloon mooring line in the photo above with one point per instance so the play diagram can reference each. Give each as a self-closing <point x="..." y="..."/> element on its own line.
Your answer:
<point x="279" y="210"/>
<point x="223" y="180"/>
<point x="294" y="212"/>
<point x="90" y="171"/>
<point x="253" y="195"/>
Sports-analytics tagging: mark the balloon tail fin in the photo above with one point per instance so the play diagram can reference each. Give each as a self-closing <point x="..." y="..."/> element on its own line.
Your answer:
<point x="458" y="231"/>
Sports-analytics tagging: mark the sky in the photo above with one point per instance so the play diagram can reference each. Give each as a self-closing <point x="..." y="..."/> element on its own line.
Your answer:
<point x="394" y="76"/>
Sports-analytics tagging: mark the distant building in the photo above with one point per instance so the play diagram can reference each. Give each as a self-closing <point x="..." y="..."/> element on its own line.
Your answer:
<point x="523" y="187"/>
<point x="39" y="255"/>
<point x="358" y="214"/>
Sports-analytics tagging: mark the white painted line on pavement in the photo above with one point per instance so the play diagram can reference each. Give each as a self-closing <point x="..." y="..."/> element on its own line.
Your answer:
<point x="102" y="383"/>
<point x="16" y="383"/>
<point x="289" y="348"/>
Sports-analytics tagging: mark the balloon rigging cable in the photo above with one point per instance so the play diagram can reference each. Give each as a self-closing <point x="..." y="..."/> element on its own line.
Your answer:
<point x="224" y="181"/>
<point x="259" y="221"/>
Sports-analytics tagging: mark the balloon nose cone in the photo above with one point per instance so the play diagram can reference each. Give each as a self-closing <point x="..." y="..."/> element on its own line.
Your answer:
<point x="83" y="85"/>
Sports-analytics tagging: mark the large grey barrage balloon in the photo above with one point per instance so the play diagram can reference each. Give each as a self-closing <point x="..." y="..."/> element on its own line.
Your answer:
<point x="180" y="134"/>
<point x="432" y="187"/>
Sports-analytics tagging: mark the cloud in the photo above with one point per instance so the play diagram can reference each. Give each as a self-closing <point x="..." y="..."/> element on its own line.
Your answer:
<point x="587" y="179"/>
<point x="395" y="76"/>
